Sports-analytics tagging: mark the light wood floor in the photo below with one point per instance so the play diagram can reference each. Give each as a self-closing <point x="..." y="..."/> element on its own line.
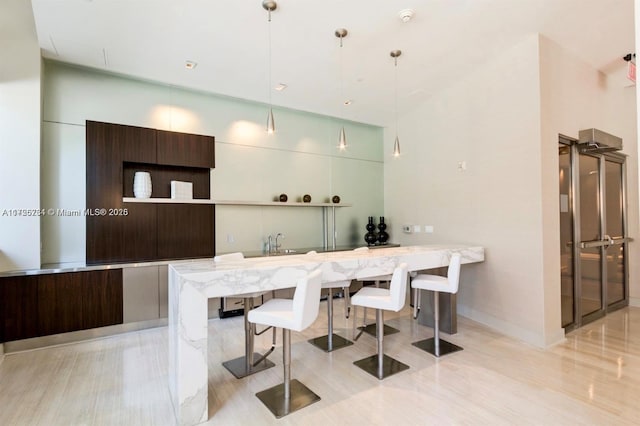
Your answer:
<point x="592" y="378"/>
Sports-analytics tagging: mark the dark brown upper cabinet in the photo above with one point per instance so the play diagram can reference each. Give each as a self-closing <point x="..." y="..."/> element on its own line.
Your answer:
<point x="182" y="149"/>
<point x="114" y="153"/>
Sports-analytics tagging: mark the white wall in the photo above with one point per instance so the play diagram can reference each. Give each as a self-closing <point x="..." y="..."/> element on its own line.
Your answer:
<point x="302" y="157"/>
<point x="575" y="96"/>
<point x="19" y="137"/>
<point x="491" y="121"/>
<point x="503" y="119"/>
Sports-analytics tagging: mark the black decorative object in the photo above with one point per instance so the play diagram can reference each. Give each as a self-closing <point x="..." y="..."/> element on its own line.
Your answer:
<point x="383" y="237"/>
<point x="335" y="199"/>
<point x="306" y="198"/>
<point x="283" y="197"/>
<point x="370" y="237"/>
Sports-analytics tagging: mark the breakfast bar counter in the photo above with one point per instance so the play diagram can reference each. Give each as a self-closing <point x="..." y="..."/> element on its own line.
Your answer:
<point x="191" y="284"/>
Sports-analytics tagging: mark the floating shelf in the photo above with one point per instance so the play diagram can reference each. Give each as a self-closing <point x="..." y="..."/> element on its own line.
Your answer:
<point x="165" y="201"/>
<point x="230" y="202"/>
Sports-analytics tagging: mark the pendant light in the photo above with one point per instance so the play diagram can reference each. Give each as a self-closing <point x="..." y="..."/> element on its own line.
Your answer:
<point x="341" y="33"/>
<point x="396" y="145"/>
<point x="270" y="6"/>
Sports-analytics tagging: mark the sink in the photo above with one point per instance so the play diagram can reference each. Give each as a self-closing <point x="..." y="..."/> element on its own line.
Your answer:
<point x="283" y="252"/>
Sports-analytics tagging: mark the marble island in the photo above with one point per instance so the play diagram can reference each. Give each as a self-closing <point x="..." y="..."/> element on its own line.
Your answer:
<point x="191" y="284"/>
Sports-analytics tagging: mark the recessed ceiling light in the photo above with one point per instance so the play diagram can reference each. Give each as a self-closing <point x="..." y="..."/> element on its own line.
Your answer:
<point x="280" y="87"/>
<point x="348" y="102"/>
<point x="190" y="65"/>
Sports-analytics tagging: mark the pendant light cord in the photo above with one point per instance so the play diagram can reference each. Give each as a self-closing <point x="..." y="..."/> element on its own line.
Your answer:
<point x="341" y="79"/>
<point x="269" y="59"/>
<point x="396" y="84"/>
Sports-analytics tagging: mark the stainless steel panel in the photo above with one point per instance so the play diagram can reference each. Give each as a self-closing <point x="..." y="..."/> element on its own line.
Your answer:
<point x="163" y="291"/>
<point x="140" y="294"/>
<point x="163" y="295"/>
<point x="448" y="311"/>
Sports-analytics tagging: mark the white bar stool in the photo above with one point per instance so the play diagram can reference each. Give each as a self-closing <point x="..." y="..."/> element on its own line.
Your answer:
<point x="391" y="299"/>
<point x="332" y="341"/>
<point x="371" y="328"/>
<point x="251" y="362"/>
<point x="296" y="314"/>
<point x="437" y="284"/>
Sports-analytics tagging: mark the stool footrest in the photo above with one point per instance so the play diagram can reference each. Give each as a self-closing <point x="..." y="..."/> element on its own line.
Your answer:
<point x="429" y="346"/>
<point x="238" y="366"/>
<point x="273" y="398"/>
<point x="338" y="342"/>
<point x="390" y="366"/>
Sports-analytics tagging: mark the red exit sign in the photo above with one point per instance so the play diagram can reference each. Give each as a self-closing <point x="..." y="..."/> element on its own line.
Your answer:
<point x="631" y="71"/>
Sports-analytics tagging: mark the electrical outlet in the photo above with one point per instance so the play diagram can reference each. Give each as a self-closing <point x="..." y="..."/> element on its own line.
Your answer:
<point x="407" y="229"/>
<point x="428" y="229"/>
<point x="230" y="239"/>
<point x="416" y="228"/>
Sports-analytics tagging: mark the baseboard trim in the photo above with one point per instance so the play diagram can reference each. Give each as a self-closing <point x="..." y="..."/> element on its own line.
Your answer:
<point x="507" y="328"/>
<point x="634" y="301"/>
<point x="79" y="336"/>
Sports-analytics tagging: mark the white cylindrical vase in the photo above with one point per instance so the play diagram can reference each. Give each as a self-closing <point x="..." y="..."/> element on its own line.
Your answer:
<point x="142" y="185"/>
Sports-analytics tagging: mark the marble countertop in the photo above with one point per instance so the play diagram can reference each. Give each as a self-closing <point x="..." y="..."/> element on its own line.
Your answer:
<point x="192" y="284"/>
<point x="266" y="273"/>
<point x="58" y="268"/>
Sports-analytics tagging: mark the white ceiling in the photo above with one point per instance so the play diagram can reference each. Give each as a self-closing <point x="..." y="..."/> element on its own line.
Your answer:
<point x="446" y="39"/>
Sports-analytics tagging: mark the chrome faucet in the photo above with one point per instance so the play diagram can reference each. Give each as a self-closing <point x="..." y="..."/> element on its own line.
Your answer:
<point x="273" y="247"/>
<point x="277" y="247"/>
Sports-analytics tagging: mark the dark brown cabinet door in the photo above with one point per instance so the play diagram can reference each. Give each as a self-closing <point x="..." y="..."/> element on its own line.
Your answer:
<point x="40" y="305"/>
<point x="18" y="308"/>
<point x="183" y="149"/>
<point x="101" y="298"/>
<point x="185" y="230"/>
<point x="59" y="303"/>
<point x="110" y="237"/>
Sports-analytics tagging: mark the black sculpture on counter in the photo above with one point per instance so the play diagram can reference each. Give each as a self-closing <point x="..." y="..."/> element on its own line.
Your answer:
<point x="370" y="237"/>
<point x="383" y="237"/>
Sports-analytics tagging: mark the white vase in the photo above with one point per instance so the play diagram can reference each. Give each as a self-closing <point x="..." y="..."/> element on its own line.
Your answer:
<point x="142" y="185"/>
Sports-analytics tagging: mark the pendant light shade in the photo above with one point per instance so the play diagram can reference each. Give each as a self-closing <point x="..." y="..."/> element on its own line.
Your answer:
<point x="270" y="6"/>
<point x="271" y="125"/>
<point x="396" y="144"/>
<point x="342" y="144"/>
<point x="341" y="33"/>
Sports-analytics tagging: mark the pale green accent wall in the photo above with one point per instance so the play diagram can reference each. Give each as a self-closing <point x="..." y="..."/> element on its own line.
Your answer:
<point x="302" y="157"/>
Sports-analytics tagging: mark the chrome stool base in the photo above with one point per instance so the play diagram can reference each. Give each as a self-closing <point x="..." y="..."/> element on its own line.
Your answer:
<point x="390" y="366"/>
<point x="238" y="366"/>
<point x="429" y="346"/>
<point x="371" y="329"/>
<point x="274" y="399"/>
<point x="337" y="342"/>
